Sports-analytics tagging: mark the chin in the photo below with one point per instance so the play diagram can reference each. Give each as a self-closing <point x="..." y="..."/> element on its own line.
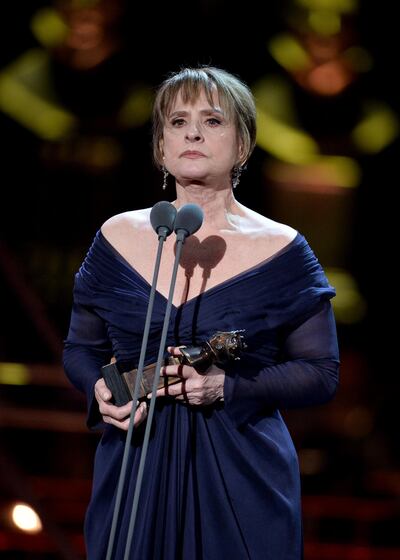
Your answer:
<point x="198" y="177"/>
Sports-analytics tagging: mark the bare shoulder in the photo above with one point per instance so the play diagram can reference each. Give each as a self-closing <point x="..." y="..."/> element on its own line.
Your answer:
<point x="120" y="229"/>
<point x="279" y="234"/>
<point x="269" y="233"/>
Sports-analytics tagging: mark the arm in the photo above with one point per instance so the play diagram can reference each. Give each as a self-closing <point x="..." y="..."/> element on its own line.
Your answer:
<point x="86" y="350"/>
<point x="307" y="376"/>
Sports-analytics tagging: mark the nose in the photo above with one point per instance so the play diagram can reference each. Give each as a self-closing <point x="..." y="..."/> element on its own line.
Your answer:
<point x="193" y="133"/>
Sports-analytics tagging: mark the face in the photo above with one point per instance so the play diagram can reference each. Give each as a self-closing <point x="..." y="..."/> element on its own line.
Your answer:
<point x="199" y="143"/>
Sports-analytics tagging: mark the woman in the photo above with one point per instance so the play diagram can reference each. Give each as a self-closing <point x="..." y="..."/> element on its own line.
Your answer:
<point x="221" y="474"/>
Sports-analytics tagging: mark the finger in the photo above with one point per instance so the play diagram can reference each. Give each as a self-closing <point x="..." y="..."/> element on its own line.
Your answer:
<point x="140" y="414"/>
<point x="178" y="370"/>
<point x="116" y="412"/>
<point x="102" y="391"/>
<point x="159" y="393"/>
<point x="174" y="350"/>
<point x="169" y="390"/>
<point x="124" y="425"/>
<point x="184" y="392"/>
<point x="183" y="398"/>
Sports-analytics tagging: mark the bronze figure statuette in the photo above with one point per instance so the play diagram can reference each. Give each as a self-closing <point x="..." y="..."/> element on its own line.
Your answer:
<point x="222" y="347"/>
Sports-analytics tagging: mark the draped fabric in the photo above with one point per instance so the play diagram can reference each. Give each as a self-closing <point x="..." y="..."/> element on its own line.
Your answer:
<point x="220" y="480"/>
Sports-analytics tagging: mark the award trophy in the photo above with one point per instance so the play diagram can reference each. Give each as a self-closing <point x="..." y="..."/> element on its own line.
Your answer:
<point x="221" y="348"/>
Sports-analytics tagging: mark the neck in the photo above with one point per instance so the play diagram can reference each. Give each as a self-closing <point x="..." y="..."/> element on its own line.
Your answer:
<point x="217" y="205"/>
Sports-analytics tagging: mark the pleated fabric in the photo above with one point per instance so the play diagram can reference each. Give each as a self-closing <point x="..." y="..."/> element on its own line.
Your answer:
<point x="222" y="480"/>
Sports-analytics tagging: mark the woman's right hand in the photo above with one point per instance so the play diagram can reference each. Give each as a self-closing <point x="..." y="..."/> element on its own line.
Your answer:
<point x="118" y="416"/>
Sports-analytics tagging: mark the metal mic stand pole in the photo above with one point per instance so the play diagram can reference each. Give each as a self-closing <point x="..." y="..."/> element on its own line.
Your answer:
<point x="180" y="239"/>
<point x="122" y="476"/>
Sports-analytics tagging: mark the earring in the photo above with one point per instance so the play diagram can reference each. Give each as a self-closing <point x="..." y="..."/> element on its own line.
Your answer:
<point x="164" y="170"/>
<point x="236" y="172"/>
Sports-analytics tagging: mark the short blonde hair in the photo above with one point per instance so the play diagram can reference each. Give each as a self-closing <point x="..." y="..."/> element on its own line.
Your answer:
<point x="234" y="96"/>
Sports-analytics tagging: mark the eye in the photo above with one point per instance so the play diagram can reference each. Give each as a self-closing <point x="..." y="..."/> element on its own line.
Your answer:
<point x="214" y="121"/>
<point x="178" y="122"/>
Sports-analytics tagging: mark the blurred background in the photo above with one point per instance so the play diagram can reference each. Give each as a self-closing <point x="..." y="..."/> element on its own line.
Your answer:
<point x="77" y="78"/>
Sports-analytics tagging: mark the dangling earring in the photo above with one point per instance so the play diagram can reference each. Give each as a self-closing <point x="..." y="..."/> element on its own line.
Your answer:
<point x="164" y="170"/>
<point x="236" y="172"/>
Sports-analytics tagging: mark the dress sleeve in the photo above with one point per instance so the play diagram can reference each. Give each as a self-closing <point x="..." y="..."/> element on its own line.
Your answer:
<point x="308" y="374"/>
<point x="86" y="349"/>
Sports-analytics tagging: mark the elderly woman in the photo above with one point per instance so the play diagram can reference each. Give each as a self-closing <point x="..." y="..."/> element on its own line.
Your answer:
<point x="221" y="477"/>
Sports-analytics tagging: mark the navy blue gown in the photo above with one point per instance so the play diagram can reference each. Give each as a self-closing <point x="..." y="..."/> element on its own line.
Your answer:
<point x="221" y="481"/>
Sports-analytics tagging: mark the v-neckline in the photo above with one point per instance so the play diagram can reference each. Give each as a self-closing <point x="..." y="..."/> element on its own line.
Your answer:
<point x="221" y="285"/>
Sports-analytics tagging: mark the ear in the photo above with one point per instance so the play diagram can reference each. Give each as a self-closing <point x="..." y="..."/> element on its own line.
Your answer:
<point x="241" y="155"/>
<point x="161" y="146"/>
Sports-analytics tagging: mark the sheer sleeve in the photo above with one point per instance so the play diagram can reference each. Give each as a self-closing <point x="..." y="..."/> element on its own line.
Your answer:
<point x="86" y="349"/>
<point x="307" y="376"/>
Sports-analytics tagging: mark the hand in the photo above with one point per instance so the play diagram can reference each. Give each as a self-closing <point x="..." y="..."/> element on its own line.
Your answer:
<point x="118" y="416"/>
<point x="195" y="388"/>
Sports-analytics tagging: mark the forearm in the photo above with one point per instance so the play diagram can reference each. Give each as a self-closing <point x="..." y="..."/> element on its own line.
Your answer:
<point x="82" y="366"/>
<point x="293" y="384"/>
<point x="307" y="376"/>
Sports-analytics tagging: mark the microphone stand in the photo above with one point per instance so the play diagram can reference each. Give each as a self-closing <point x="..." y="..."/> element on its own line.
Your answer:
<point x="180" y="239"/>
<point x="163" y="232"/>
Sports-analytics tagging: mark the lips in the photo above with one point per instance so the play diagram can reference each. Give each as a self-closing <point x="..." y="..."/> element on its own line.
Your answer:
<point x="192" y="154"/>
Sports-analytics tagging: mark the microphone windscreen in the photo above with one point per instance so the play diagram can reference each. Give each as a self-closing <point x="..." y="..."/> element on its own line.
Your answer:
<point x="189" y="218"/>
<point x="163" y="214"/>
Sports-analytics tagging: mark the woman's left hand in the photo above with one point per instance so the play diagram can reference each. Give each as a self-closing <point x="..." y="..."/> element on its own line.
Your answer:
<point x="195" y="388"/>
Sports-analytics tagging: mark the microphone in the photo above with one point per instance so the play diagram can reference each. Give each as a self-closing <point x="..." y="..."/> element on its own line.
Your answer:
<point x="188" y="220"/>
<point x="162" y="219"/>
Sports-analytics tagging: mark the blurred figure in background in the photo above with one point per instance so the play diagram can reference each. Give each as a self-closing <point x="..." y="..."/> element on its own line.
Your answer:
<point x="84" y="108"/>
<point x="74" y="108"/>
<point x="318" y="125"/>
